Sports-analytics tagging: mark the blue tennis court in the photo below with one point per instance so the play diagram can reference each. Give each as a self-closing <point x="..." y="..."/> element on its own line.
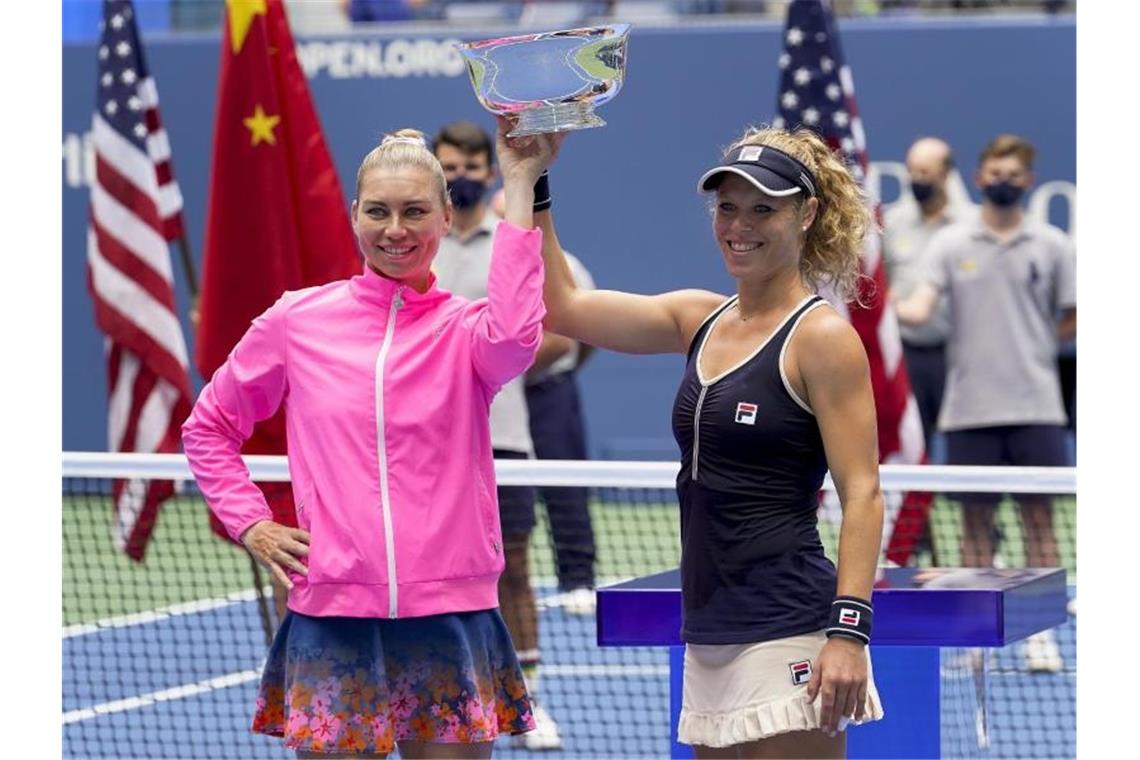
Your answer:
<point x="184" y="685"/>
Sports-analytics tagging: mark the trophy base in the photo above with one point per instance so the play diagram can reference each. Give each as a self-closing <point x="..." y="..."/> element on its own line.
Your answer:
<point x="562" y="117"/>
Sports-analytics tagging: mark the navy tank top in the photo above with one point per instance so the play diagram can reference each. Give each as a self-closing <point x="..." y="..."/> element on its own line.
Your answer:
<point x="752" y="463"/>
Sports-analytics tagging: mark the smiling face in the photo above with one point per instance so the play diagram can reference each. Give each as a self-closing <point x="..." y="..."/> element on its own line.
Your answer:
<point x="399" y="220"/>
<point x="759" y="235"/>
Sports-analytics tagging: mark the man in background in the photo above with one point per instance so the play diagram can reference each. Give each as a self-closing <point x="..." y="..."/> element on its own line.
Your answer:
<point x="465" y="151"/>
<point x="1005" y="276"/>
<point x="558" y="429"/>
<point x="908" y="228"/>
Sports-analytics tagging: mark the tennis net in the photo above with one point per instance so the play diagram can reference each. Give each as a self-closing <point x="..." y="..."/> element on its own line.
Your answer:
<point x="162" y="658"/>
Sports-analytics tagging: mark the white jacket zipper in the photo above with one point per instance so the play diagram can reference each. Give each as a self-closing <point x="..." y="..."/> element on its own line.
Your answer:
<point x="697" y="430"/>
<point x="382" y="451"/>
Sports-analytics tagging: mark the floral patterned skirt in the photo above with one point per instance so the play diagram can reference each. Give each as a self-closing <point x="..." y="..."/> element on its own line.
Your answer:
<point x="336" y="684"/>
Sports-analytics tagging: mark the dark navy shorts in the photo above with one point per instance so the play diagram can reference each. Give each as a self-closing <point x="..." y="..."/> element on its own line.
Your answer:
<point x="516" y="503"/>
<point x="1010" y="445"/>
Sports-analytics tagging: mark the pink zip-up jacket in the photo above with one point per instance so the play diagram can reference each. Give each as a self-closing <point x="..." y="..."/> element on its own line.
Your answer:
<point x="386" y="395"/>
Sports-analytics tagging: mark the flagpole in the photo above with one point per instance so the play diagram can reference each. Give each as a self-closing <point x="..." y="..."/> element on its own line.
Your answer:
<point x="191" y="280"/>
<point x="267" y="626"/>
<point x="188" y="268"/>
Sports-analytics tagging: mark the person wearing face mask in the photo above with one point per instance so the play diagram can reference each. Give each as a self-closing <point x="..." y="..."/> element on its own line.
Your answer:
<point x="907" y="228"/>
<point x="465" y="152"/>
<point x="1005" y="277"/>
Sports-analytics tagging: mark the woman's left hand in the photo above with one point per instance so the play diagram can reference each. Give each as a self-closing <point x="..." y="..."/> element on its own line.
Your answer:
<point x="840" y="676"/>
<point x="524" y="159"/>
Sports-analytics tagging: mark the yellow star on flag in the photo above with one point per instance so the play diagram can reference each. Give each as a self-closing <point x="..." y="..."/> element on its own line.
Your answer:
<point x="241" y="18"/>
<point x="261" y="126"/>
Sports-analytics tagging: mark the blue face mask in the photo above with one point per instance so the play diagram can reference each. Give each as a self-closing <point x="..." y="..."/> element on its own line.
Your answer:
<point x="466" y="193"/>
<point x="922" y="191"/>
<point x="1003" y="194"/>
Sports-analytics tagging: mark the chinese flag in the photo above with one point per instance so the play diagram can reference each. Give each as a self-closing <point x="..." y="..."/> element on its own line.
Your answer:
<point x="276" y="218"/>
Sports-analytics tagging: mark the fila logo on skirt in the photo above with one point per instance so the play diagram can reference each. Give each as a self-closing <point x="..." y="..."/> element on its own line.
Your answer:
<point x="801" y="672"/>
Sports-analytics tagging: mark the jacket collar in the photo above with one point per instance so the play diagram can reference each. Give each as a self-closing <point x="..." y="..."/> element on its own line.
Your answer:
<point x="375" y="290"/>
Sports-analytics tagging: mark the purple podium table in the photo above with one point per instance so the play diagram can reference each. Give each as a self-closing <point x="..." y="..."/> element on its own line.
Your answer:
<point x="916" y="612"/>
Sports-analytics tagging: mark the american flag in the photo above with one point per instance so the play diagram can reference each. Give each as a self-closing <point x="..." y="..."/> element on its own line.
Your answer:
<point x="817" y="91"/>
<point x="136" y="210"/>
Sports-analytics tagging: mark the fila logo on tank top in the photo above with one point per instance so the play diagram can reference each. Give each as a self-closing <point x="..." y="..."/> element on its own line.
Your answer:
<point x="746" y="413"/>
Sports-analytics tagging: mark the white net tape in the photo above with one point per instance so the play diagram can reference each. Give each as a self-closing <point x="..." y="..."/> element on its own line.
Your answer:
<point x="614" y="474"/>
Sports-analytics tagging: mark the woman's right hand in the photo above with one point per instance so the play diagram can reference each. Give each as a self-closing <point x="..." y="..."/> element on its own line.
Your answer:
<point x="278" y="548"/>
<point x="523" y="159"/>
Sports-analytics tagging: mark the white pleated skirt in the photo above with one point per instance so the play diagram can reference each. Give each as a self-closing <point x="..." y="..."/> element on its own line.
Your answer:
<point x="736" y="693"/>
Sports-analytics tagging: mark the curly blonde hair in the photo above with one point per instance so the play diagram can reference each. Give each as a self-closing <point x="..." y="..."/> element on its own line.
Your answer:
<point x="834" y="242"/>
<point x="404" y="148"/>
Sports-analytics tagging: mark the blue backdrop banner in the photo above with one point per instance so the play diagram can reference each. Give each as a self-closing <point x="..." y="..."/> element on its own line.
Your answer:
<point x="625" y="195"/>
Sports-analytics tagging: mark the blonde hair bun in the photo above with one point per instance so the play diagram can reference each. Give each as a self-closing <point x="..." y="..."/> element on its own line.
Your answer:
<point x="401" y="149"/>
<point x="405" y="136"/>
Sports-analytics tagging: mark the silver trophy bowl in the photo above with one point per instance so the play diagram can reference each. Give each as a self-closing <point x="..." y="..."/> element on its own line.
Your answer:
<point x="550" y="81"/>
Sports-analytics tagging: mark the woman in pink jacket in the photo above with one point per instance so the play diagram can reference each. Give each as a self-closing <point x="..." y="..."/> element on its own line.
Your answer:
<point x="393" y="634"/>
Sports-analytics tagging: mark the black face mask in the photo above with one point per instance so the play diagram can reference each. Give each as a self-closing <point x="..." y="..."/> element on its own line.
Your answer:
<point x="923" y="191"/>
<point x="1003" y="194"/>
<point x="466" y="193"/>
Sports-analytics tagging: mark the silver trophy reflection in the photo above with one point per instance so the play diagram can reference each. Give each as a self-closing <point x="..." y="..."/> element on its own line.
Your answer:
<point x="551" y="81"/>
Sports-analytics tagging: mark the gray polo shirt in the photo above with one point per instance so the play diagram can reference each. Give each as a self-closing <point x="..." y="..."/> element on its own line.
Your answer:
<point x="569" y="360"/>
<point x="905" y="238"/>
<point x="1003" y="296"/>
<point x="462" y="267"/>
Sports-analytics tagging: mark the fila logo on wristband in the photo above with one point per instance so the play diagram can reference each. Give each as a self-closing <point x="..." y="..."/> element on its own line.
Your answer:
<point x="801" y="672"/>
<point x="746" y="413"/>
<point x="851" y="617"/>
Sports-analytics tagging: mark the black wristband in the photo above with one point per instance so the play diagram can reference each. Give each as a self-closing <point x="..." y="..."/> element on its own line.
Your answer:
<point x="542" y="199"/>
<point x="851" y="617"/>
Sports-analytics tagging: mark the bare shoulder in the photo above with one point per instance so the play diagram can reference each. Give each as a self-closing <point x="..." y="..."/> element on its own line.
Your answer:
<point x="689" y="298"/>
<point x="691" y="307"/>
<point x="827" y="346"/>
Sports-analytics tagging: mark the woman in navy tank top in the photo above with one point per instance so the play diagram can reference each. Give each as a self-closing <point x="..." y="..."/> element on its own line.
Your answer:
<point x="776" y="392"/>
